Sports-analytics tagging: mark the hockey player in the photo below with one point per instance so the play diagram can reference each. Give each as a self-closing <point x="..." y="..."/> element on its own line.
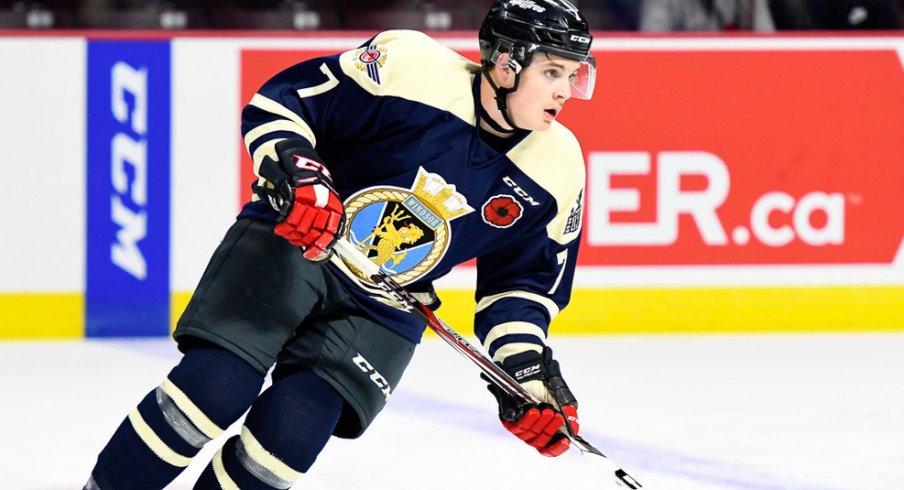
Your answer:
<point x="423" y="160"/>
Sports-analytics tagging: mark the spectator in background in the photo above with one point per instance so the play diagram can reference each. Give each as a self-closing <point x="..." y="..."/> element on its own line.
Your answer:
<point x="705" y="15"/>
<point x="836" y="14"/>
<point x="611" y="15"/>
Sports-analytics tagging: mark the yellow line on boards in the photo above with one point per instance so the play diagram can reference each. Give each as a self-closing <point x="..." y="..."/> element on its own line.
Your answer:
<point x="712" y="310"/>
<point x="178" y="302"/>
<point x="42" y="316"/>
<point x="591" y="312"/>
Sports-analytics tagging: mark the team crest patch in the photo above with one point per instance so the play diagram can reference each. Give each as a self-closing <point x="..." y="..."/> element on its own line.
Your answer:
<point x="370" y="60"/>
<point x="405" y="231"/>
<point x="573" y="224"/>
<point x="502" y="211"/>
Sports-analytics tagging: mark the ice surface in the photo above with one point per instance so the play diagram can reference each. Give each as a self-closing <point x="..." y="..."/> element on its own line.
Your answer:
<point x="758" y="412"/>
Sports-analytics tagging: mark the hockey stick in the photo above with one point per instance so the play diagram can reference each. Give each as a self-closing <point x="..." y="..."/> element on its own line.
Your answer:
<point x="496" y="374"/>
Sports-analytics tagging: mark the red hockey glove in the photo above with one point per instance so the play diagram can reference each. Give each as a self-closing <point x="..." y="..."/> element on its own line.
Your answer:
<point x="310" y="210"/>
<point x="541" y="426"/>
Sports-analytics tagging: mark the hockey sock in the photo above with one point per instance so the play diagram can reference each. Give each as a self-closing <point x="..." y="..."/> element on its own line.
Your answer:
<point x="284" y="432"/>
<point x="209" y="390"/>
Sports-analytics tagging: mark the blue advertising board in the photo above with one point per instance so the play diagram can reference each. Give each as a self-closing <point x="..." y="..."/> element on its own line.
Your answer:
<point x="128" y="195"/>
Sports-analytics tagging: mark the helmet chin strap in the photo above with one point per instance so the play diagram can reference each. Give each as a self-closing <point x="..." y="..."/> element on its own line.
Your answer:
<point x="501" y="96"/>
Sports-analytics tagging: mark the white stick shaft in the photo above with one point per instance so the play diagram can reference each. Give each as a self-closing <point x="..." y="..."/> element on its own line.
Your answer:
<point x="350" y="252"/>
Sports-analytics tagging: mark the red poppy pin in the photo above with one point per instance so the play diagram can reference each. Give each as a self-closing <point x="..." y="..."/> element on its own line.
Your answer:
<point x="502" y="211"/>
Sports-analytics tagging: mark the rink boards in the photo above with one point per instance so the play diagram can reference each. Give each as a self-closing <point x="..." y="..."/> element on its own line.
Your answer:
<point x="734" y="184"/>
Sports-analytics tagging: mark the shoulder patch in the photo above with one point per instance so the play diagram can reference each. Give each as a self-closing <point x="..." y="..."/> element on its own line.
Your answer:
<point x="370" y="60"/>
<point x="573" y="221"/>
<point x="412" y="66"/>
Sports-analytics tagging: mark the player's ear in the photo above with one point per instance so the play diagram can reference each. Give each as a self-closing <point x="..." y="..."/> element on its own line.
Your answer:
<point x="504" y="72"/>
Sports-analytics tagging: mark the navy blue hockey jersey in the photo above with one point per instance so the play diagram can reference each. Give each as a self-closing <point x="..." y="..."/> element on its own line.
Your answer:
<point x="396" y="123"/>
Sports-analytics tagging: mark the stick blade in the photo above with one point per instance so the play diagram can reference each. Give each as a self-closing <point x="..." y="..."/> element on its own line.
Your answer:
<point x="621" y="477"/>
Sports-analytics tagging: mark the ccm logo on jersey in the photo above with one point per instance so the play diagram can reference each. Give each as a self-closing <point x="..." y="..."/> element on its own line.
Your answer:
<point x="375" y="376"/>
<point x="519" y="191"/>
<point x="132" y="186"/>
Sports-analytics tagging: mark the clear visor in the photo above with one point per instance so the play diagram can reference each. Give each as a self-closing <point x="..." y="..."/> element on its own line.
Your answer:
<point x="583" y="80"/>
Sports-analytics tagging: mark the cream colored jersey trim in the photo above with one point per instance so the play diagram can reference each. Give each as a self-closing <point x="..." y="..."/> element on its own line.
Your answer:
<point x="549" y="304"/>
<point x="153" y="441"/>
<point x="219" y="470"/>
<point x="513" y="328"/>
<point x="272" y="127"/>
<point x="418" y="68"/>
<point x="263" y="457"/>
<point x="194" y="414"/>
<point x="554" y="159"/>
<point x="515" y="348"/>
<point x="273" y="107"/>
<point x="291" y="122"/>
<point x="267" y="128"/>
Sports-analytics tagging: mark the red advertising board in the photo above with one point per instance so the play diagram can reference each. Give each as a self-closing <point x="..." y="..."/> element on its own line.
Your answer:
<point x="728" y="156"/>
